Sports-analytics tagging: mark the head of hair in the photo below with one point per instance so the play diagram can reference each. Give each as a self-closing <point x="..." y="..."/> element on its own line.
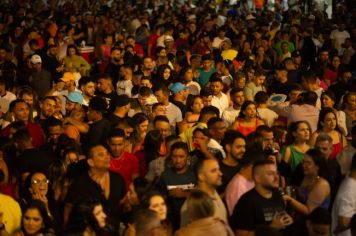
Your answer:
<point x="252" y="155"/>
<point x="142" y="186"/>
<point x="70" y="47"/>
<point x="144" y="91"/>
<point x="320" y="216"/>
<point x="146" y="198"/>
<point x="156" y="105"/>
<point x="180" y="145"/>
<point x="14" y="103"/>
<point x="329" y="94"/>
<point x="292" y="128"/>
<point x="41" y="208"/>
<point x="200" y="205"/>
<point x="151" y="145"/>
<point x="116" y="133"/>
<point x="85" y="80"/>
<point x="261" y="97"/>
<point x="160" y="118"/>
<point x="233" y="91"/>
<point x="209" y="110"/>
<point x="320" y="161"/>
<point x="213" y="121"/>
<point x="206" y="92"/>
<point x="322" y="137"/>
<point x="323" y="113"/>
<point x="230" y="137"/>
<point x="261" y="163"/>
<point x="309" y="98"/>
<point x="86" y="210"/>
<point x="163" y="88"/>
<point x="244" y="108"/>
<point x="202" y="130"/>
<point x="145" y="220"/>
<point x="139" y="118"/>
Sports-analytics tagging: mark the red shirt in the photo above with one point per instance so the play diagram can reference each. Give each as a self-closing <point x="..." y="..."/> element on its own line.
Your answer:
<point x="126" y="165"/>
<point x="139" y="50"/>
<point x="152" y="40"/>
<point x="36" y="132"/>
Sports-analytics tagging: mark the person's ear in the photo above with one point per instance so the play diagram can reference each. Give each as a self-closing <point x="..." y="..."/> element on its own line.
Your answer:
<point x="90" y="162"/>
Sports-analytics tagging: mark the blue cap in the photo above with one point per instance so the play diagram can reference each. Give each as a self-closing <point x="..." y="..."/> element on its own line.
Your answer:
<point x="75" y="97"/>
<point x="177" y="87"/>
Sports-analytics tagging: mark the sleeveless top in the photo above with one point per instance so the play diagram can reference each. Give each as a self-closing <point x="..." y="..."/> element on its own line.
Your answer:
<point x="296" y="157"/>
<point x="247" y="130"/>
<point x="304" y="194"/>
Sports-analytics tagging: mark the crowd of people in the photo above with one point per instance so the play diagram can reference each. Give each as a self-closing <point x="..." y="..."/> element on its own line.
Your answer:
<point x="156" y="117"/>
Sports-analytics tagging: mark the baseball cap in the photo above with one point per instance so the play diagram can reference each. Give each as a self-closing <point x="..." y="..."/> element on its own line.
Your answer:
<point x="121" y="100"/>
<point x="177" y="87"/>
<point x="67" y="76"/>
<point x="35" y="59"/>
<point x="75" y="97"/>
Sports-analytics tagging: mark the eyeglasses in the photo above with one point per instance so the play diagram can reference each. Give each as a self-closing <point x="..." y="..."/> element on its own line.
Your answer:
<point x="38" y="182"/>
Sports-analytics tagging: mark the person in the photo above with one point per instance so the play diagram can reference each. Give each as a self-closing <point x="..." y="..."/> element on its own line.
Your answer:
<point x="88" y="86"/>
<point x="266" y="202"/>
<point x="75" y="63"/>
<point x="174" y="114"/>
<point x="194" y="107"/>
<point x="331" y="71"/>
<point x="234" y="144"/>
<point x="179" y="96"/>
<point x="255" y="85"/>
<point x="193" y="87"/>
<point x="328" y="99"/>
<point x="121" y="106"/>
<point x="302" y="109"/>
<point x="298" y="136"/>
<point x="47" y="106"/>
<point x="344" y="206"/>
<point x="267" y="115"/>
<point x="5" y="97"/>
<point x="220" y="99"/>
<point x="314" y="190"/>
<point x="281" y="85"/>
<point x="247" y="121"/>
<point x="100" y="127"/>
<point x="141" y="121"/>
<point x="319" y="222"/>
<point x="201" y="212"/>
<point x="327" y="123"/>
<point x="103" y="184"/>
<point x="35" y="220"/>
<point x="147" y="223"/>
<point x="40" y="79"/>
<point x="95" y="218"/>
<point x="237" y="98"/>
<point x="208" y="175"/>
<point x="122" y="162"/>
<point x="206" y="70"/>
<point x="350" y="109"/>
<point x="10" y="214"/>
<point x="178" y="180"/>
<point x="345" y="156"/>
<point x="205" y="146"/>
<point x="125" y="84"/>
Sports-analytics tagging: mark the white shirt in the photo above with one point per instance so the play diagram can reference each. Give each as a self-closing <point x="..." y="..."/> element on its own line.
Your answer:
<point x="344" y="158"/>
<point x="217" y="41"/>
<point x="6" y="100"/>
<point x="174" y="114"/>
<point x="339" y="38"/>
<point x="222" y="103"/>
<point x="267" y="115"/>
<point x="345" y="204"/>
<point x="229" y="115"/>
<point x="124" y="87"/>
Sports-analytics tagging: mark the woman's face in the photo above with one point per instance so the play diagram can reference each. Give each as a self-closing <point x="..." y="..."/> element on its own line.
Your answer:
<point x="326" y="101"/>
<point x="188" y="76"/>
<point x="132" y="196"/>
<point x="28" y="99"/>
<point x="351" y="102"/>
<point x="142" y="128"/>
<point x="32" y="221"/>
<point x="100" y="215"/>
<point x="71" y="52"/>
<point x="309" y="166"/>
<point x="198" y="138"/>
<point x="162" y="53"/>
<point x="329" y="122"/>
<point x="336" y="62"/>
<point x="303" y="132"/>
<point x="166" y="73"/>
<point x="250" y="111"/>
<point x="197" y="105"/>
<point x="39" y="184"/>
<point x="158" y="205"/>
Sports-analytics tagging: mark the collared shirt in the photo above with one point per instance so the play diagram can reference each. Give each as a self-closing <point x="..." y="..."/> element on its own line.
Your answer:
<point x="221" y="103"/>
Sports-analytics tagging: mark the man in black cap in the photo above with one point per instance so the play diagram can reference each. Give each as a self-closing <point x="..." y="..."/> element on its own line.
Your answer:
<point x="297" y="59"/>
<point x="100" y="126"/>
<point x="121" y="105"/>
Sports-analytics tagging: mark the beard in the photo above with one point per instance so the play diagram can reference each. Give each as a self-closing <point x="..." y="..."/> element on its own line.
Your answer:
<point x="270" y="187"/>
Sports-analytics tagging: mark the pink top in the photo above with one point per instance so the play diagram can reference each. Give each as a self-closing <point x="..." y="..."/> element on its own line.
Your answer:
<point x="238" y="186"/>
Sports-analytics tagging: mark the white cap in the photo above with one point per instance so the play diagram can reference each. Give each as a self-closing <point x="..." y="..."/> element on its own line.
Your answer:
<point x="35" y="59"/>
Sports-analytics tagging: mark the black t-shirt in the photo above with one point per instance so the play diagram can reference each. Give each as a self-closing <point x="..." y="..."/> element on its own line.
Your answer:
<point x="252" y="209"/>
<point x="281" y="88"/>
<point x="85" y="188"/>
<point x="228" y="173"/>
<point x="98" y="132"/>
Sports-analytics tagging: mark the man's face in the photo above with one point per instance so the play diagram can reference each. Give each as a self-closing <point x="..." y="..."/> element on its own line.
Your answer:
<point x="21" y="111"/>
<point x="100" y="158"/>
<point x="146" y="83"/>
<point x="237" y="149"/>
<point x="267" y="139"/>
<point x="142" y="99"/>
<point x="267" y="177"/>
<point x="207" y="101"/>
<point x="88" y="89"/>
<point x="103" y="85"/>
<point x="179" y="159"/>
<point x="324" y="56"/>
<point x="130" y="41"/>
<point x="70" y="106"/>
<point x="207" y="64"/>
<point x="216" y="87"/>
<point x="148" y="64"/>
<point x="161" y="97"/>
<point x="260" y="80"/>
<point x="54" y="133"/>
<point x="116" y="145"/>
<point x="219" y="130"/>
<point x="211" y="173"/>
<point x="164" y="128"/>
<point x="53" y="51"/>
<point x="160" y="111"/>
<point x="238" y="98"/>
<point x="325" y="147"/>
<point x="116" y="55"/>
<point x="48" y="107"/>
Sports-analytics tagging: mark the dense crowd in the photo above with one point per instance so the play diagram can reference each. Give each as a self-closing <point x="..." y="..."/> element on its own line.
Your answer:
<point x="156" y="117"/>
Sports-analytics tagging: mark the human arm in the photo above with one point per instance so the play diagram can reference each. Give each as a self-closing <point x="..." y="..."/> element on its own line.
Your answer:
<point x="81" y="126"/>
<point x="313" y="139"/>
<point x="287" y="155"/>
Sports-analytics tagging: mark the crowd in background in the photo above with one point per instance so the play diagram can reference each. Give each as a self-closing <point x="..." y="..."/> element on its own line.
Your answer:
<point x="173" y="117"/>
